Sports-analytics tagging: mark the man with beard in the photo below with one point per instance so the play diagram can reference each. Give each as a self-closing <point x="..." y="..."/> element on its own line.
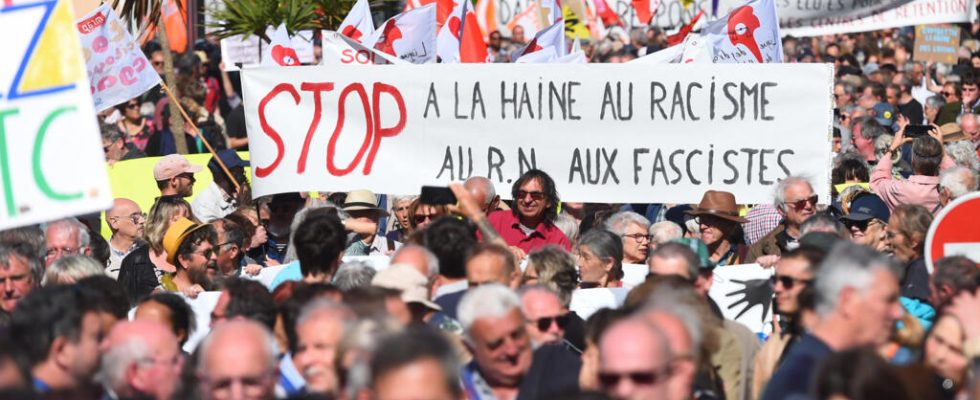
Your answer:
<point x="190" y="247"/>
<point x="794" y="274"/>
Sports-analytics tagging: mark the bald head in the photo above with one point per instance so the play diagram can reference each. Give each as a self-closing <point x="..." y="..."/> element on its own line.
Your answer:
<point x="125" y="218"/>
<point x="483" y="192"/>
<point x="141" y="359"/>
<point x="682" y="349"/>
<point x="634" y="348"/>
<point x="419" y="258"/>
<point x="237" y="351"/>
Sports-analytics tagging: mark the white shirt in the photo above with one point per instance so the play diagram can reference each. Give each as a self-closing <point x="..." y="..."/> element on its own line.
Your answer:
<point x="212" y="204"/>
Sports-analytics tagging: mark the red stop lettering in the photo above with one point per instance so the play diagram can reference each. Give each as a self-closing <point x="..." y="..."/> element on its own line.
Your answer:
<point x="379" y="132"/>
<point x="316" y="88"/>
<point x="262" y="172"/>
<point x="341" y="108"/>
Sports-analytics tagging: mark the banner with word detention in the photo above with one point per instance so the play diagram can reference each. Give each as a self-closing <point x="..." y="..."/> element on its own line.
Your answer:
<point x="51" y="162"/>
<point x="606" y="133"/>
<point x="797" y="17"/>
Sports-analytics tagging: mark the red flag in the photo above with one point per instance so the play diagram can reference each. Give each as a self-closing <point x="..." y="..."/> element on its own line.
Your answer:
<point x="645" y="10"/>
<point x="606" y="14"/>
<point x="682" y="33"/>
<point x="472" y="47"/>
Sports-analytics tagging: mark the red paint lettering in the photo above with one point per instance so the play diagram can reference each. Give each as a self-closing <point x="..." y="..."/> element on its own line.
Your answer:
<point x="346" y="57"/>
<point x="331" y="147"/>
<point x="139" y="63"/>
<point x="379" y="132"/>
<point x="316" y="88"/>
<point x="127" y="76"/>
<point x="106" y="82"/>
<point x="262" y="172"/>
<point x="100" y="44"/>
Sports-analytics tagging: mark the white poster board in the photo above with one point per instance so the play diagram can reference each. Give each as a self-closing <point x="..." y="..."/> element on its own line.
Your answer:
<point x="744" y="294"/>
<point x="605" y="133"/>
<point x="51" y="160"/>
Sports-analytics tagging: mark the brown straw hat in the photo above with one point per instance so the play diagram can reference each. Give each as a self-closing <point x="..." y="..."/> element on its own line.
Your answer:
<point x="720" y="204"/>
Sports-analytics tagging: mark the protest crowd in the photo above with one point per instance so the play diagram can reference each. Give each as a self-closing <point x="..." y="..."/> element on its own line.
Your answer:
<point x="460" y="291"/>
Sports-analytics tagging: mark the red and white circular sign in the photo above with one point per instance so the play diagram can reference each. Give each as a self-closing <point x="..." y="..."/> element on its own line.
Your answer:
<point x="955" y="231"/>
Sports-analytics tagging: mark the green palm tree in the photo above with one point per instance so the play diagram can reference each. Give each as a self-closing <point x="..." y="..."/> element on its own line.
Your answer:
<point x="253" y="17"/>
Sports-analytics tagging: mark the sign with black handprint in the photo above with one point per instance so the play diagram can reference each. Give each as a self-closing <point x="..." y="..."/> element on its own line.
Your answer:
<point x="743" y="293"/>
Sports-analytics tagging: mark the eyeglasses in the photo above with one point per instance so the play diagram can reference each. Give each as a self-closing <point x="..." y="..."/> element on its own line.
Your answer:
<point x="611" y="379"/>
<point x="544" y="323"/>
<point x="420" y="218"/>
<point x="787" y="281"/>
<point x="639" y="237"/>
<point x="206" y="253"/>
<point x="135" y="217"/>
<point x="802" y="203"/>
<point x="67" y="251"/>
<point x="521" y="194"/>
<point x="948" y="94"/>
<point x="132" y="106"/>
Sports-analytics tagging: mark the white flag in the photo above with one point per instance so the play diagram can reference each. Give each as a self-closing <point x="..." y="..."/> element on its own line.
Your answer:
<point x="358" y="24"/>
<point x="410" y="36"/>
<point x="280" y="51"/>
<point x="748" y="34"/>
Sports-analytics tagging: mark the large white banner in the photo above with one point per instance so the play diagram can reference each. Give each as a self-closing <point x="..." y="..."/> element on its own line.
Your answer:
<point x="605" y="133"/>
<point x="797" y="17"/>
<point x="51" y="161"/>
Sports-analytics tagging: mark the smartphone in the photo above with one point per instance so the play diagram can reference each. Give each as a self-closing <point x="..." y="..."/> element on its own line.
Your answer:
<point x="437" y="195"/>
<point x="913" y="131"/>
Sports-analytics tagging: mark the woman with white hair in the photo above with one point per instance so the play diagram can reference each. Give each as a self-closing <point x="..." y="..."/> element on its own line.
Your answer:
<point x="400" y="208"/>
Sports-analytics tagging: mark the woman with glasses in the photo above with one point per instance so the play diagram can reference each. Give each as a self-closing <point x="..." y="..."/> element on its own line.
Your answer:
<point x="421" y="215"/>
<point x="142" y="269"/>
<point x="600" y="260"/>
<point x="632" y="227"/>
<point x="865" y="216"/>
<point x="137" y="128"/>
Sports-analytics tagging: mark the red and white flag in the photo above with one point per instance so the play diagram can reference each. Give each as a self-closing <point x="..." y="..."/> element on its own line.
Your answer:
<point x="553" y="36"/>
<point x="410" y="36"/>
<point x="358" y="23"/>
<point x="605" y="13"/>
<point x="546" y="55"/>
<point x="443" y="9"/>
<point x="460" y="39"/>
<point x="748" y="34"/>
<point x="280" y="50"/>
<point x="340" y="49"/>
<point x="646" y="10"/>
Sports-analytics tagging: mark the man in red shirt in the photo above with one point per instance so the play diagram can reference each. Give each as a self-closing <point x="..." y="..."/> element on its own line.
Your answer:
<point x="530" y="224"/>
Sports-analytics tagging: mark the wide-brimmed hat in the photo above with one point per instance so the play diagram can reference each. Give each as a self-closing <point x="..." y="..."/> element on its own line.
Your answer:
<point x="362" y="199"/>
<point x="175" y="235"/>
<point x="405" y="278"/>
<point x="720" y="204"/>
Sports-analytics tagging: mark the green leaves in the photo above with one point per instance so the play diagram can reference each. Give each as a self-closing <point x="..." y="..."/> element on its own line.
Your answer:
<point x="252" y="17"/>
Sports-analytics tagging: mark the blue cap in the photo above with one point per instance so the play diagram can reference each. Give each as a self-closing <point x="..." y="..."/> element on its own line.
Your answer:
<point x="867" y="206"/>
<point x="228" y="157"/>
<point x="885" y="114"/>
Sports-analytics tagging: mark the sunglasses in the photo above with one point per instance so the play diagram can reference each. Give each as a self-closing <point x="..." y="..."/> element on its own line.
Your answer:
<point x="860" y="225"/>
<point x="948" y="93"/>
<point x="611" y="380"/>
<point x="787" y="281"/>
<point x="132" y="106"/>
<point x="802" y="203"/>
<point x="156" y="63"/>
<point x="544" y="323"/>
<point x="207" y="253"/>
<point x="521" y="194"/>
<point x="420" y="218"/>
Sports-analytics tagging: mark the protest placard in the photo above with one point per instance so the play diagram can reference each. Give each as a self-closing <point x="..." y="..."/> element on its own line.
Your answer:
<point x="238" y="51"/>
<point x="606" y="133"/>
<point x="743" y="294"/>
<point x="51" y="161"/>
<point x="202" y="305"/>
<point x="936" y="43"/>
<point x="117" y="68"/>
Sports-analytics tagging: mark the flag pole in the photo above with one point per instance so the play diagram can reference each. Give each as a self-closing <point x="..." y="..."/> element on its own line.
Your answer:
<point x="173" y="99"/>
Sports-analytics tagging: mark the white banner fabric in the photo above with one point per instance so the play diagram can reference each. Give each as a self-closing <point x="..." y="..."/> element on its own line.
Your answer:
<point x="605" y="133"/>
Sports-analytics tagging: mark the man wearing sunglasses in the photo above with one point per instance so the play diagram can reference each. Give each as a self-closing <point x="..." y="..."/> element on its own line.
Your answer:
<point x="794" y="272"/>
<point x="115" y="147"/>
<point x="795" y="201"/>
<point x="175" y="175"/>
<point x="191" y="248"/>
<point x="635" y="361"/>
<point x="546" y="318"/>
<point x="530" y="224"/>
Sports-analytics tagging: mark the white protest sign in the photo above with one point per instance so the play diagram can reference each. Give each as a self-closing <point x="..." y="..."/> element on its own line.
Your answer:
<point x="743" y="293"/>
<point x="634" y="274"/>
<point x="606" y="133"/>
<point x="238" y="51"/>
<point x="51" y="161"/>
<point x="117" y="68"/>
<point x="798" y="18"/>
<point x="266" y="275"/>
<point x="340" y="49"/>
<point x="586" y="302"/>
<point x="202" y="306"/>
